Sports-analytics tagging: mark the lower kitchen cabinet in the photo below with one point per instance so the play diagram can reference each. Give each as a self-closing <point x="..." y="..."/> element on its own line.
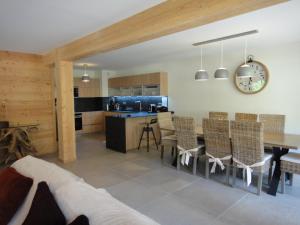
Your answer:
<point x="92" y="122"/>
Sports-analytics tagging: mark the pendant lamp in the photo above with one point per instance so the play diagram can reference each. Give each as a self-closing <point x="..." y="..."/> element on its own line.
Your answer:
<point x="221" y="73"/>
<point x="85" y="77"/>
<point x="245" y="70"/>
<point x="201" y="75"/>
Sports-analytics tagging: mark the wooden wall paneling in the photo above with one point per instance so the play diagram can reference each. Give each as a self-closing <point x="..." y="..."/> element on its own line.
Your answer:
<point x="27" y="97"/>
<point x="65" y="111"/>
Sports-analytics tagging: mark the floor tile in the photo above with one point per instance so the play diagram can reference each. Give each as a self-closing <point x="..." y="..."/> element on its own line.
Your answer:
<point x="135" y="194"/>
<point x="141" y="180"/>
<point x="209" y="196"/>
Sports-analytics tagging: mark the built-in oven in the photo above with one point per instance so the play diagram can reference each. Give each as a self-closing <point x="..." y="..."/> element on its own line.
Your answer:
<point x="76" y="92"/>
<point x="78" y="121"/>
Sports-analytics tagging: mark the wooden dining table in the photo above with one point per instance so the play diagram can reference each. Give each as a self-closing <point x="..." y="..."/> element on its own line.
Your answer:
<point x="280" y="143"/>
<point x="288" y="141"/>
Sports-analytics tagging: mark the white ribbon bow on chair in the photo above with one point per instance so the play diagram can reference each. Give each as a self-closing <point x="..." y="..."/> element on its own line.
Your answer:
<point x="186" y="154"/>
<point x="248" y="169"/>
<point x="217" y="161"/>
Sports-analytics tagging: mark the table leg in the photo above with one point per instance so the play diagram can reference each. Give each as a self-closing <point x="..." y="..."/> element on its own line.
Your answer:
<point x="277" y="153"/>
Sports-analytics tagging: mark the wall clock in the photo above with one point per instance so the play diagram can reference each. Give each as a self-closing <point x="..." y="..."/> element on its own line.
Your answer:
<point x="253" y="85"/>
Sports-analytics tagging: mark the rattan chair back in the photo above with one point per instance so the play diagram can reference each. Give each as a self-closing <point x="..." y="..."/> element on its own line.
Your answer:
<point x="185" y="132"/>
<point x="273" y="124"/>
<point x="164" y="120"/>
<point x="247" y="141"/>
<point x="218" y="115"/>
<point x="246" y="117"/>
<point x="216" y="137"/>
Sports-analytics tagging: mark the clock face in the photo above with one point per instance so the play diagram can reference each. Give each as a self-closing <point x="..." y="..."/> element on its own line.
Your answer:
<point x="252" y="85"/>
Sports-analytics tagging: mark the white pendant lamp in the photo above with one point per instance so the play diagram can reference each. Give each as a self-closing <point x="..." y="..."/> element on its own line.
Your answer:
<point x="85" y="77"/>
<point x="245" y="70"/>
<point x="221" y="73"/>
<point x="201" y="75"/>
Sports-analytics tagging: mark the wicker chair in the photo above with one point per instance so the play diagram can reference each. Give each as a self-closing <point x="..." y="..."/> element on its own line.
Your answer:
<point x="246" y="117"/>
<point x="168" y="137"/>
<point x="273" y="124"/>
<point x="187" y="144"/>
<point x="248" y="150"/>
<point x="218" y="115"/>
<point x="217" y="145"/>
<point x="290" y="163"/>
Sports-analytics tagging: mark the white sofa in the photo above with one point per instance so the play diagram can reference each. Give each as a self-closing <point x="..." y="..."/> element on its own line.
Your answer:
<point x="75" y="197"/>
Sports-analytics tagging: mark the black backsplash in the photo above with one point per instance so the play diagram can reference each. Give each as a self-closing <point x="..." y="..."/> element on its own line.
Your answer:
<point x="88" y="104"/>
<point x="126" y="103"/>
<point x="131" y="102"/>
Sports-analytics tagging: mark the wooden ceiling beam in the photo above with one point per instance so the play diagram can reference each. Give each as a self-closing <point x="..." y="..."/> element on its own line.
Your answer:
<point x="166" y="18"/>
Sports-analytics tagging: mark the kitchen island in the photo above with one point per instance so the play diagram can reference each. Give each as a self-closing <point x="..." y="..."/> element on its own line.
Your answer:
<point x="123" y="131"/>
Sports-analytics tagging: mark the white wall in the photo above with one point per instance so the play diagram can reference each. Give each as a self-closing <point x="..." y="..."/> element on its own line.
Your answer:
<point x="191" y="98"/>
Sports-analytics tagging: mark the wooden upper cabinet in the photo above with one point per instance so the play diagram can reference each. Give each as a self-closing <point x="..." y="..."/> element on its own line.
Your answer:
<point x="88" y="89"/>
<point x="160" y="79"/>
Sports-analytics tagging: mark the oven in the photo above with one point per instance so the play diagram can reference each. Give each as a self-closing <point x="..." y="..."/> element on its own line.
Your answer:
<point x="78" y="121"/>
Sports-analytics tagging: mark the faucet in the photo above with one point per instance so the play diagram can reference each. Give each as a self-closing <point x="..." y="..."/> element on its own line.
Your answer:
<point x="140" y="105"/>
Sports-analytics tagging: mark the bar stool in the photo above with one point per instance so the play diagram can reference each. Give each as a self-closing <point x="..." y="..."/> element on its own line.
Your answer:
<point x="148" y="128"/>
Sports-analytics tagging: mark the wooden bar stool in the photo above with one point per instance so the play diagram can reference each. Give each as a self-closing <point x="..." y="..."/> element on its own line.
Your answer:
<point x="148" y="127"/>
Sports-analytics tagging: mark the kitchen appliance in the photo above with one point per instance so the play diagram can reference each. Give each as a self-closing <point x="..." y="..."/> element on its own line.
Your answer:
<point x="76" y="92"/>
<point x="78" y="121"/>
<point x="162" y="109"/>
<point x="153" y="108"/>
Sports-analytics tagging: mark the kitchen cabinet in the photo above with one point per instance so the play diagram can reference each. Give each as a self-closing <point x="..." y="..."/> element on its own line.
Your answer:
<point x="108" y="114"/>
<point x="88" y="89"/>
<point x="92" y="122"/>
<point x="152" y="84"/>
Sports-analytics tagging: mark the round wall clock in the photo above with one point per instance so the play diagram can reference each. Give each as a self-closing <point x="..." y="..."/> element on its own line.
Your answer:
<point x="253" y="85"/>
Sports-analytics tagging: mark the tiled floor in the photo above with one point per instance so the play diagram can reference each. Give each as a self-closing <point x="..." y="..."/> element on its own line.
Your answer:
<point x="156" y="189"/>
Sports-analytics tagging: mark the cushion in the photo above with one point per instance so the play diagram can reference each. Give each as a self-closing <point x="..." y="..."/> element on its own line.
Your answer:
<point x="292" y="156"/>
<point x="98" y="205"/>
<point x="14" y="188"/>
<point x="44" y="171"/>
<point x="80" y="220"/>
<point x="44" y="209"/>
<point x="39" y="170"/>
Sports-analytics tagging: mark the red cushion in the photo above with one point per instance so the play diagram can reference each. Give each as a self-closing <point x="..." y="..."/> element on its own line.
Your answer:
<point x="44" y="209"/>
<point x="14" y="188"/>
<point x="80" y="220"/>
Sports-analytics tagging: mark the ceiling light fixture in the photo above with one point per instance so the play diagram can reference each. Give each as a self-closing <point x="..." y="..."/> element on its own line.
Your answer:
<point x="85" y="77"/>
<point x="221" y="73"/>
<point x="201" y="75"/>
<point x="245" y="70"/>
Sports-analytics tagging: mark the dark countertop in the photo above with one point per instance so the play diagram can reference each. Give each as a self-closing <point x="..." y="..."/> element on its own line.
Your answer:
<point x="128" y="114"/>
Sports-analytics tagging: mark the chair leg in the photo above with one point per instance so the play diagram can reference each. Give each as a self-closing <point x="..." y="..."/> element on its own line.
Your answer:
<point x="291" y="179"/>
<point x="195" y="164"/>
<point x="162" y="152"/>
<point x="227" y="173"/>
<point x="141" y="139"/>
<point x="147" y="139"/>
<point x="178" y="161"/>
<point x="270" y="171"/>
<point x="207" y="168"/>
<point x="233" y="175"/>
<point x="259" y="183"/>
<point x="154" y="138"/>
<point x="282" y="182"/>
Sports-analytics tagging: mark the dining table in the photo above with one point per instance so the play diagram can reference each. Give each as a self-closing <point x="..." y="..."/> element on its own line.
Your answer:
<point x="280" y="144"/>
